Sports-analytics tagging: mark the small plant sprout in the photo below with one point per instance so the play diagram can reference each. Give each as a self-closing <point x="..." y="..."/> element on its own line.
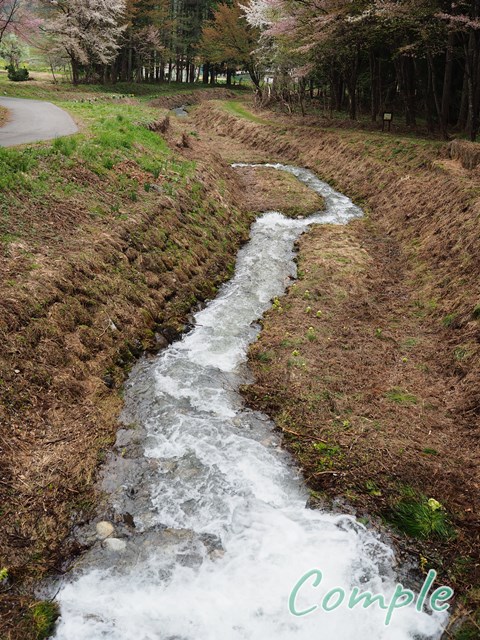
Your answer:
<point x="307" y="295"/>
<point x="423" y="564"/>
<point x="44" y="615"/>
<point x="3" y="574"/>
<point x="311" y="335"/>
<point x="319" y="314"/>
<point x="308" y="310"/>
<point x="404" y="359"/>
<point x="372" y="488"/>
<point x="276" y="304"/>
<point x="378" y="332"/>
<point x="295" y="353"/>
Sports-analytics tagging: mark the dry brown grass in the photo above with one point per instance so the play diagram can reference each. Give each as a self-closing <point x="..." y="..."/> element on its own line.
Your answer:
<point x="192" y="97"/>
<point x="82" y="297"/>
<point x="266" y="189"/>
<point x="467" y="152"/>
<point x="3" y="116"/>
<point x="393" y="373"/>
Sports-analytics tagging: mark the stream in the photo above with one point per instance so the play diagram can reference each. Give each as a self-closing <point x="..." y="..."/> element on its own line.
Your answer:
<point x="210" y="526"/>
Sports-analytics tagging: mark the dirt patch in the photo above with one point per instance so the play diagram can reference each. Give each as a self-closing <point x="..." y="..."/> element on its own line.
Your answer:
<point x="266" y="189"/>
<point x="3" y="116"/>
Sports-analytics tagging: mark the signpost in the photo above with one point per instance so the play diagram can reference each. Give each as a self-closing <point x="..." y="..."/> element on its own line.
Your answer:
<point x="387" y="118"/>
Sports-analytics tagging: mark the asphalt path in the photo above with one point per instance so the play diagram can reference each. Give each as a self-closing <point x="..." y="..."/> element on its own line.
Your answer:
<point x="33" y="121"/>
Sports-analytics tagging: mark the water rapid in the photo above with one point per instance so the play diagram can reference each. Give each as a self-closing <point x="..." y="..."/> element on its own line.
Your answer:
<point x="211" y="526"/>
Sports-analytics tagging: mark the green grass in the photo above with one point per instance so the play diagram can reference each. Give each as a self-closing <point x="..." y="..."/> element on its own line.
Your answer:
<point x="430" y="452"/>
<point x="46" y="90"/>
<point x="44" y="615"/>
<point x="238" y="109"/>
<point x="449" y="320"/>
<point x="468" y="631"/>
<point x="401" y="397"/>
<point x="420" y="517"/>
<point x="113" y="132"/>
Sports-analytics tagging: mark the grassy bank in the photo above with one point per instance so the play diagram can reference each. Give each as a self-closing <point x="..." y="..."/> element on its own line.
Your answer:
<point x="107" y="239"/>
<point x="370" y="365"/>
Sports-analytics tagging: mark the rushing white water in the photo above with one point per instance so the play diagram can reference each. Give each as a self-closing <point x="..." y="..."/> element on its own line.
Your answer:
<point x="222" y="533"/>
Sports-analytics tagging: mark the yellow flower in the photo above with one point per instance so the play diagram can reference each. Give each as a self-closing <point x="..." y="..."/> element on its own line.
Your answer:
<point x="434" y="504"/>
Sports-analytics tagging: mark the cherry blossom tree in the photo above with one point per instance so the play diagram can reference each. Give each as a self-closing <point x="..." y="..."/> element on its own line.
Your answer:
<point x="87" y="31"/>
<point x="17" y="18"/>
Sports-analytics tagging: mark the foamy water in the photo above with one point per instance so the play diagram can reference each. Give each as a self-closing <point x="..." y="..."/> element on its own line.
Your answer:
<point x="222" y="533"/>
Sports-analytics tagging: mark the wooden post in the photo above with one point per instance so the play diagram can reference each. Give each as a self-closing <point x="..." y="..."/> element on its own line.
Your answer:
<point x="387" y="118"/>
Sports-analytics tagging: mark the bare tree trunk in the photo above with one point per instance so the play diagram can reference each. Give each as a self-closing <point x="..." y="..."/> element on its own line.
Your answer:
<point x="206" y="72"/>
<point x="179" y="70"/>
<point x="463" y="110"/>
<point x="130" y="61"/>
<point x="471" y="57"/>
<point x="447" y="87"/>
<point x="75" y="71"/>
<point x="433" y="84"/>
<point x="374" y="85"/>
<point x="405" y="67"/>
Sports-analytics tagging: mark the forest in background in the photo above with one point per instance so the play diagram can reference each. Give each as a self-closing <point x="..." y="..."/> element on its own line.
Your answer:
<point x="418" y="58"/>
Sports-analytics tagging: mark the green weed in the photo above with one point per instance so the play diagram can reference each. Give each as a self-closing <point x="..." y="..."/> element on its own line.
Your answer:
<point x="44" y="616"/>
<point x="401" y="397"/>
<point x="420" y="517"/>
<point x="449" y="320"/>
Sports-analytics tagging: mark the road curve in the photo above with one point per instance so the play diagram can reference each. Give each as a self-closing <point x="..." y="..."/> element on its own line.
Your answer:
<point x="33" y="121"/>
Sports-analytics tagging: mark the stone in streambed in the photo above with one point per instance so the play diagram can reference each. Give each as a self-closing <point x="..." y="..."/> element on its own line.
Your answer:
<point x="115" y="544"/>
<point x="104" y="529"/>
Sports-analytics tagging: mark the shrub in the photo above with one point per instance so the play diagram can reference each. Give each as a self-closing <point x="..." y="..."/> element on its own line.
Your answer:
<point x="17" y="75"/>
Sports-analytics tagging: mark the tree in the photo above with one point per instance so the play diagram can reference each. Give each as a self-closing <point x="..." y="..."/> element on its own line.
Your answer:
<point x="12" y="50"/>
<point x="9" y="12"/>
<point x="421" y="57"/>
<point x="230" y="40"/>
<point x="88" y="31"/>
<point x="16" y="18"/>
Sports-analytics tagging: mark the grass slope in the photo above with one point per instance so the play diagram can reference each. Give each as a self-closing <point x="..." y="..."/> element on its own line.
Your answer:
<point x="370" y="365"/>
<point x="107" y="239"/>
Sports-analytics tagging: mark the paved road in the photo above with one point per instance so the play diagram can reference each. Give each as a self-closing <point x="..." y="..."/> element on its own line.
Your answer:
<point x="32" y="121"/>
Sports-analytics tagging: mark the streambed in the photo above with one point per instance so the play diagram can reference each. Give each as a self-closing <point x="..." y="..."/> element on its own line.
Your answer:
<point x="211" y="530"/>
